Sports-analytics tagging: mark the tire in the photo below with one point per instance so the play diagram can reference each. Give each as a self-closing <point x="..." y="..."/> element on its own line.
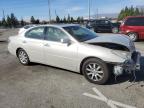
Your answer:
<point x="133" y="36"/>
<point x="23" y="57"/>
<point x="115" y="30"/>
<point x="98" y="75"/>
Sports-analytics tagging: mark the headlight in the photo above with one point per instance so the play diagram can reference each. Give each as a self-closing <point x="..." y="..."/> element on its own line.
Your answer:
<point x="122" y="54"/>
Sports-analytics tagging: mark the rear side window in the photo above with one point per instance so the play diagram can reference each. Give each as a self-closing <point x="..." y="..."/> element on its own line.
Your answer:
<point x="139" y="21"/>
<point x="36" y="33"/>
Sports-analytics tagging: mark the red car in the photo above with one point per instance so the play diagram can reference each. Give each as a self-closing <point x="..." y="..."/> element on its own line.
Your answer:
<point x="133" y="26"/>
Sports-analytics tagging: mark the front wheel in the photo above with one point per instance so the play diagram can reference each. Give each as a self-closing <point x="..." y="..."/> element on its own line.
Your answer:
<point x="95" y="71"/>
<point x="23" y="57"/>
<point x="133" y="36"/>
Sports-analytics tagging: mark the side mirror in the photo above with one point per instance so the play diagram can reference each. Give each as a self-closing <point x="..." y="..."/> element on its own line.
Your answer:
<point x="66" y="41"/>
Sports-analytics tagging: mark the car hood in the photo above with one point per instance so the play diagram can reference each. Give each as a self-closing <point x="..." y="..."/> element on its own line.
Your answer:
<point x="117" y="39"/>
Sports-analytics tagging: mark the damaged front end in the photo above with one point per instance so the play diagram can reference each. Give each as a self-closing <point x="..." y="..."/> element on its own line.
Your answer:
<point x="131" y="58"/>
<point x="129" y="65"/>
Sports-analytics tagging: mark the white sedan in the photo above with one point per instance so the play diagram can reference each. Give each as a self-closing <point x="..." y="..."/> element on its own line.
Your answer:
<point x="77" y="49"/>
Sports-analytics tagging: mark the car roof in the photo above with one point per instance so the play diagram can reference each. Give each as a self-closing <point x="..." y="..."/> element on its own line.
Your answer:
<point x="59" y="25"/>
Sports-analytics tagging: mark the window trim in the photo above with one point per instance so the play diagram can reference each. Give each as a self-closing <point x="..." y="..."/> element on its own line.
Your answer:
<point x="25" y="35"/>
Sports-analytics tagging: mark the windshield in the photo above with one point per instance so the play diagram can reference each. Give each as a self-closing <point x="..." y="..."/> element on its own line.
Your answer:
<point x="79" y="33"/>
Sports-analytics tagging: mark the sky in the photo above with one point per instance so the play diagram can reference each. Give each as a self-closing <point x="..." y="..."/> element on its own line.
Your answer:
<point x="39" y="8"/>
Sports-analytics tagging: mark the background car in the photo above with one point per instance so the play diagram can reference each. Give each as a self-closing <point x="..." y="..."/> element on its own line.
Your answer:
<point x="103" y="25"/>
<point x="133" y="26"/>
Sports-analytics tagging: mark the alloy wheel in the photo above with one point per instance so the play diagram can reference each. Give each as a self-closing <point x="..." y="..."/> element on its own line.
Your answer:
<point x="94" y="71"/>
<point x="23" y="57"/>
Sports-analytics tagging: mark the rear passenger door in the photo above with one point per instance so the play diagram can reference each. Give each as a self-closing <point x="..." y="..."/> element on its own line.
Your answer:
<point x="33" y="44"/>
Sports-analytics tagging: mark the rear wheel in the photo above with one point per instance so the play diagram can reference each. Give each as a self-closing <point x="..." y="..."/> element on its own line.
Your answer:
<point x="133" y="36"/>
<point x="23" y="57"/>
<point x="95" y="71"/>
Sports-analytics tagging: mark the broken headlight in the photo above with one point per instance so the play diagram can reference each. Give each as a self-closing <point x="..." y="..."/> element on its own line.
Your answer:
<point x="122" y="54"/>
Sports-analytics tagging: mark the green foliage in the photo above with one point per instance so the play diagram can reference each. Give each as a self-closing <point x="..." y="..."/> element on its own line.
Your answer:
<point x="4" y="23"/>
<point x="32" y="20"/>
<point x="14" y="21"/>
<point x="37" y="21"/>
<point x="68" y="19"/>
<point x="72" y="20"/>
<point x="78" y="19"/>
<point x="57" y="19"/>
<point x="22" y="22"/>
<point x="129" y="11"/>
<point x="64" y="20"/>
<point x="10" y="21"/>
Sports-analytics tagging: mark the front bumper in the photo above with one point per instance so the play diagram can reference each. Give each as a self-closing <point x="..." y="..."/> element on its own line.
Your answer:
<point x="128" y="66"/>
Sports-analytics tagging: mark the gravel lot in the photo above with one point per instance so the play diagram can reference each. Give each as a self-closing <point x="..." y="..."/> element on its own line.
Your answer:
<point x="41" y="86"/>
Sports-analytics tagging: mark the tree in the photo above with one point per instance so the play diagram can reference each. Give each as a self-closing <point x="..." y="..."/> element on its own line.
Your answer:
<point x="14" y="20"/>
<point x="37" y="21"/>
<point x="9" y="21"/>
<point x="129" y="12"/>
<point x="57" y="19"/>
<point x="22" y="23"/>
<point x="78" y="19"/>
<point x="61" y="20"/>
<point x="72" y="20"/>
<point x="64" y="20"/>
<point x="137" y="12"/>
<point x="32" y="20"/>
<point x="132" y="11"/>
<point x="69" y="19"/>
<point x="4" y="23"/>
<point x="81" y="20"/>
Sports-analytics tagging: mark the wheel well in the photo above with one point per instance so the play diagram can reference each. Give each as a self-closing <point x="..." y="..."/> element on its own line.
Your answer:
<point x="17" y="51"/>
<point x="133" y="32"/>
<point x="85" y="60"/>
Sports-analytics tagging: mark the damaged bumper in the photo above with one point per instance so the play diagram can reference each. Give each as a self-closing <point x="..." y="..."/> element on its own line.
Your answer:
<point x="128" y="66"/>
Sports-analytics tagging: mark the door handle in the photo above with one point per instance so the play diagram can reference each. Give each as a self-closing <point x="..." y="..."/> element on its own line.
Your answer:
<point x="24" y="42"/>
<point x="47" y="45"/>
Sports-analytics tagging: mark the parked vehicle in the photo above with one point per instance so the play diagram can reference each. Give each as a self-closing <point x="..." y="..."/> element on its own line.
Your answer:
<point x="133" y="26"/>
<point x="77" y="49"/>
<point x="103" y="25"/>
<point x="25" y="28"/>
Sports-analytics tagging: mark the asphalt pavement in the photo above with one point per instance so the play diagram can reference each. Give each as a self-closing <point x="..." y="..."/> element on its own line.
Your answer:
<point x="42" y="86"/>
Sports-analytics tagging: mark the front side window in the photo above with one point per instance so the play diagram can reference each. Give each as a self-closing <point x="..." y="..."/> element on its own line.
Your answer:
<point x="79" y="33"/>
<point x="55" y="34"/>
<point x="36" y="33"/>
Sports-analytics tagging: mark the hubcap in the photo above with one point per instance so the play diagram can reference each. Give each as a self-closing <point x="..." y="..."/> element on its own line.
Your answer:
<point x="132" y="36"/>
<point x="23" y="57"/>
<point x="94" y="72"/>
